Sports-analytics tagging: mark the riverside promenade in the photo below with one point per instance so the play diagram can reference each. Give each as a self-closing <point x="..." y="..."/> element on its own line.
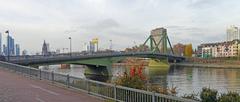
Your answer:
<point x="18" y="88"/>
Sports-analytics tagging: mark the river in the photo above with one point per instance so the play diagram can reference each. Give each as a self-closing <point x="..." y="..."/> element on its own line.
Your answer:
<point x="186" y="79"/>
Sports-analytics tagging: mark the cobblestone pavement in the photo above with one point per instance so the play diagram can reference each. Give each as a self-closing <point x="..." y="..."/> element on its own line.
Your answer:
<point x="17" y="88"/>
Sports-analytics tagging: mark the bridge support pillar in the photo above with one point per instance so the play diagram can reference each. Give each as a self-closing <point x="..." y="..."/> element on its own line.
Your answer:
<point x="96" y="72"/>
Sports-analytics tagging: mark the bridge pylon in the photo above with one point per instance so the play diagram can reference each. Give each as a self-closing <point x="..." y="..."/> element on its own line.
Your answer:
<point x="158" y="41"/>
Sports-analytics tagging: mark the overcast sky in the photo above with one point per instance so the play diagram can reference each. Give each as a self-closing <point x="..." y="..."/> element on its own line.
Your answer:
<point x="122" y="21"/>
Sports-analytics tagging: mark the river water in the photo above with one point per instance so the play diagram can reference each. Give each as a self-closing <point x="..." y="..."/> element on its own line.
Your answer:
<point x="186" y="79"/>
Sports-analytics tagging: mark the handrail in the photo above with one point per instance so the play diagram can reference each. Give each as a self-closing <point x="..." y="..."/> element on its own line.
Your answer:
<point x="101" y="89"/>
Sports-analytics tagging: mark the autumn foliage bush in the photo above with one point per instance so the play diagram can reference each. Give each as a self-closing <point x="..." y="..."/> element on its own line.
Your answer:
<point x="135" y="79"/>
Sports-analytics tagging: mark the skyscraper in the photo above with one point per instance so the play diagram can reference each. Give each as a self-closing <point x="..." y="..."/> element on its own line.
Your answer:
<point x="10" y="46"/>
<point x="233" y="33"/>
<point x="159" y="35"/>
<point x="5" y="50"/>
<point x="17" y="50"/>
<point x="91" y="47"/>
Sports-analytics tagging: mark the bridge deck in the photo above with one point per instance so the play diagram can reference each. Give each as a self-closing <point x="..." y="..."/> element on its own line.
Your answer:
<point x="16" y="88"/>
<point x="51" y="59"/>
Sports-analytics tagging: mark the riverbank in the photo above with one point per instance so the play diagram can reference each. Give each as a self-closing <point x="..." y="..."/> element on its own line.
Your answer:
<point x="201" y="65"/>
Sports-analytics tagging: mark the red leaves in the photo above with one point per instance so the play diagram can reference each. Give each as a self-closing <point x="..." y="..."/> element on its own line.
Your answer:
<point x="132" y="71"/>
<point x="137" y="71"/>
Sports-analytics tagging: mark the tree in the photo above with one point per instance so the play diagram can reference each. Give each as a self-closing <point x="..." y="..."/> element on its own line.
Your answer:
<point x="188" y="50"/>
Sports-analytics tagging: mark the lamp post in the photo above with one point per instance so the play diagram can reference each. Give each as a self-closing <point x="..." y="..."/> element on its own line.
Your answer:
<point x="8" y="45"/>
<point x="238" y="51"/>
<point x="238" y="55"/>
<point x="110" y="47"/>
<point x="70" y="39"/>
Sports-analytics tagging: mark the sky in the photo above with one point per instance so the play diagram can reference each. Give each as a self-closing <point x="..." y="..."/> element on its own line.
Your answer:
<point x="125" y="22"/>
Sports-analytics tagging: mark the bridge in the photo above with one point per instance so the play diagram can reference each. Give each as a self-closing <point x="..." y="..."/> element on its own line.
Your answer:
<point x="31" y="60"/>
<point x="102" y="62"/>
<point x="98" y="63"/>
<point x="157" y="48"/>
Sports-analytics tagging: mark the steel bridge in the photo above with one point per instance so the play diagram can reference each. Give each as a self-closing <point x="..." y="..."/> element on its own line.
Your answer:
<point x="102" y="62"/>
<point x="31" y="60"/>
<point x="98" y="64"/>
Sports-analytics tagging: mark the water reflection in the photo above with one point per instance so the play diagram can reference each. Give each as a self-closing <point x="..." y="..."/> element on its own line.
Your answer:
<point x="157" y="75"/>
<point x="190" y="80"/>
<point x="186" y="79"/>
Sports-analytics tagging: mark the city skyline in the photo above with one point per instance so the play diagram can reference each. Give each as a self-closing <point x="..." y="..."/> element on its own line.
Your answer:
<point x="31" y="22"/>
<point x="10" y="47"/>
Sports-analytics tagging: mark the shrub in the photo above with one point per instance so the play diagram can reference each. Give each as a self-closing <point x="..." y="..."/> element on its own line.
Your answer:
<point x="208" y="95"/>
<point x="135" y="78"/>
<point x="131" y="81"/>
<point x="229" y="97"/>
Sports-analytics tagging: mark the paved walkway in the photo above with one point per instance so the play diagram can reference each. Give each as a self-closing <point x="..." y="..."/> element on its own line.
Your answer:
<point x="17" y="88"/>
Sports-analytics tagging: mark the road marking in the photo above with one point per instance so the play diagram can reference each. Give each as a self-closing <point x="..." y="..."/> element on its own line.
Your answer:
<point x="45" y="90"/>
<point x="39" y="100"/>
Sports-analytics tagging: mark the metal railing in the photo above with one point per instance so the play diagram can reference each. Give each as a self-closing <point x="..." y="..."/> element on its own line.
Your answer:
<point x="101" y="89"/>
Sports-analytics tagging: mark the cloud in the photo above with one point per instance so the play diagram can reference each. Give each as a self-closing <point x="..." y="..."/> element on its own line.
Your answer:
<point x="105" y="24"/>
<point x="122" y="21"/>
<point x="203" y="3"/>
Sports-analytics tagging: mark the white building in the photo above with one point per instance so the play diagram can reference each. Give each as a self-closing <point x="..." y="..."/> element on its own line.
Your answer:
<point x="220" y="49"/>
<point x="233" y="33"/>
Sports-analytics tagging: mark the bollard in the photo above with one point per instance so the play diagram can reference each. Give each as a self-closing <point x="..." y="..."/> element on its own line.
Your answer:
<point x="68" y="81"/>
<point x="52" y="76"/>
<point x="29" y="72"/>
<point x="40" y="74"/>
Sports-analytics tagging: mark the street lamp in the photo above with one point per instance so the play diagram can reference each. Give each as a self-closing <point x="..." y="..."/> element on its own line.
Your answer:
<point x="8" y="45"/>
<point x="110" y="47"/>
<point x="238" y="51"/>
<point x="70" y="39"/>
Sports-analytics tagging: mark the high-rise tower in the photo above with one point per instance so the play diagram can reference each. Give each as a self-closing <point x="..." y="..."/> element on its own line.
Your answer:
<point x="233" y="33"/>
<point x="17" y="50"/>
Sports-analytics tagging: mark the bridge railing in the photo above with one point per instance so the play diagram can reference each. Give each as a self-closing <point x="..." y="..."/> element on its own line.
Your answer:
<point x="101" y="89"/>
<point x="49" y="59"/>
